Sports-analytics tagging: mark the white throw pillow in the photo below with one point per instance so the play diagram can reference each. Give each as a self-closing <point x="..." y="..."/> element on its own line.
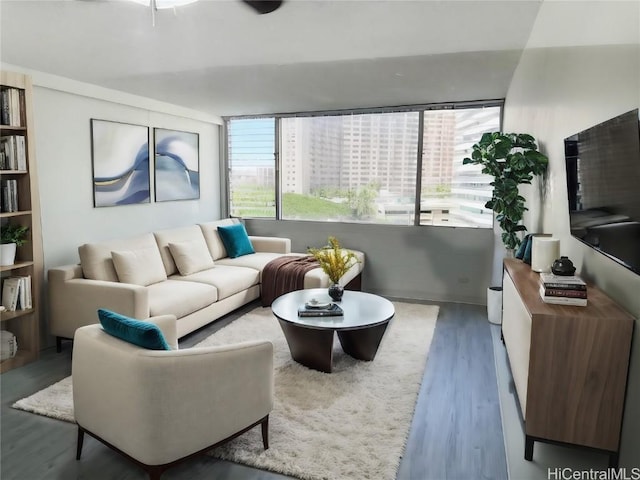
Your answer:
<point x="191" y="257"/>
<point x="140" y="267"/>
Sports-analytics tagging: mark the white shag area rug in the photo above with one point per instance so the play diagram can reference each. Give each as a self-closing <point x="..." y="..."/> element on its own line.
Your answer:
<point x="351" y="424"/>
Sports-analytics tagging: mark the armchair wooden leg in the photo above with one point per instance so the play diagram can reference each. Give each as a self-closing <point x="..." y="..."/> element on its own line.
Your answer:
<point x="80" y="441"/>
<point x="58" y="344"/>
<point x="265" y="432"/>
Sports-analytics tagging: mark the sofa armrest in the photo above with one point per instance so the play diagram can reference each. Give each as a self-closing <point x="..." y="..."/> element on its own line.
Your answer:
<point x="199" y="395"/>
<point x="168" y="326"/>
<point x="271" y="244"/>
<point x="74" y="301"/>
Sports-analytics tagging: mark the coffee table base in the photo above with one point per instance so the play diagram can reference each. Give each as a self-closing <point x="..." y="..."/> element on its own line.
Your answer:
<point x="363" y="343"/>
<point x="313" y="348"/>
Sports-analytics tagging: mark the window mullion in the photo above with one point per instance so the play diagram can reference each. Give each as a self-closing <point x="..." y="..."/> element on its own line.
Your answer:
<point x="416" y="213"/>
<point x="276" y="154"/>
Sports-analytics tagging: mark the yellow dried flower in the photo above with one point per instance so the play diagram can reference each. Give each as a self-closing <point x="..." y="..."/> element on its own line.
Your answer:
<point x="333" y="260"/>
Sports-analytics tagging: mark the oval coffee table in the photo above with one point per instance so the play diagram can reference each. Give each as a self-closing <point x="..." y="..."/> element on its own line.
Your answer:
<point x="360" y="329"/>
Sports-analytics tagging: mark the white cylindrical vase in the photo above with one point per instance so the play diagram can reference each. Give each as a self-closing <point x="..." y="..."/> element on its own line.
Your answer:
<point x="7" y="254"/>
<point x="544" y="252"/>
<point x="494" y="305"/>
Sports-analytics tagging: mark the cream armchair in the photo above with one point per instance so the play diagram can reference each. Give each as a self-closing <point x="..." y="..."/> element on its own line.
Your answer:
<point x="160" y="407"/>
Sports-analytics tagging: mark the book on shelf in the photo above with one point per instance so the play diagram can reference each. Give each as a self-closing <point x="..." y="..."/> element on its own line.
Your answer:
<point x="10" y="107"/>
<point x="13" y="153"/>
<point x="568" y="282"/>
<point x="564" y="292"/>
<point x="10" y="293"/>
<point x="16" y="293"/>
<point x="559" y="300"/>
<point x="10" y="195"/>
<point x="332" y="310"/>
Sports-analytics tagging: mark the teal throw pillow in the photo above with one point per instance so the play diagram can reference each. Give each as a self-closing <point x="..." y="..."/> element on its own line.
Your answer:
<point x="236" y="240"/>
<point x="144" y="334"/>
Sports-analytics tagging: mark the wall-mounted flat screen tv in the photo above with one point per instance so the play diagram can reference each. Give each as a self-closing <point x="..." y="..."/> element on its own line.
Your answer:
<point x="603" y="186"/>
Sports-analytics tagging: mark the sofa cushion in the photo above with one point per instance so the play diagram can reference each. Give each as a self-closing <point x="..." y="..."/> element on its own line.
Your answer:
<point x="140" y="267"/>
<point x="96" y="261"/>
<point x="212" y="237"/>
<point x="256" y="260"/>
<point x="174" y="235"/>
<point x="144" y="334"/>
<point x="180" y="298"/>
<point x="192" y="256"/>
<point x="236" y="240"/>
<point x="227" y="280"/>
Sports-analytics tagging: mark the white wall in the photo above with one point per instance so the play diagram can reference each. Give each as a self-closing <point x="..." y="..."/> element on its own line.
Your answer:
<point x="557" y="91"/>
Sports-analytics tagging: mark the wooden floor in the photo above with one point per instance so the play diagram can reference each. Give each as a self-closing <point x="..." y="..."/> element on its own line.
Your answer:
<point x="456" y="431"/>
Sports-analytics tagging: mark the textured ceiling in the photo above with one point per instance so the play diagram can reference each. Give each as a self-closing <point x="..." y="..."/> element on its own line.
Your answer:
<point x="220" y="57"/>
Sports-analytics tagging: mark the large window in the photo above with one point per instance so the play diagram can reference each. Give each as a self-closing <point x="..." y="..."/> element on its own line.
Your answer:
<point x="362" y="167"/>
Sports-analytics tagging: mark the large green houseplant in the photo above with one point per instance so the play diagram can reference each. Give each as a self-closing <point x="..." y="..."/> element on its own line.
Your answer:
<point x="511" y="159"/>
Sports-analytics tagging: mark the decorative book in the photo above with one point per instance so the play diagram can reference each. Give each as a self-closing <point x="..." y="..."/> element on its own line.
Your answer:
<point x="331" y="310"/>
<point x="570" y="282"/>
<point x="562" y="300"/>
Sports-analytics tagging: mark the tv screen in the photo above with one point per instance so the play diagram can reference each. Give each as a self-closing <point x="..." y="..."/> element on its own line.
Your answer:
<point x="603" y="186"/>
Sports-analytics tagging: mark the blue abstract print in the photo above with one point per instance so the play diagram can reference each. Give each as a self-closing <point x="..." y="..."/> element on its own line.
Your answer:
<point x="120" y="163"/>
<point x="177" y="175"/>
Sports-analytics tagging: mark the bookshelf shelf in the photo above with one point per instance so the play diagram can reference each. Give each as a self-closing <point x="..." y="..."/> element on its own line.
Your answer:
<point x="22" y="358"/>
<point x="12" y="130"/>
<point x="15" y="266"/>
<point x="15" y="214"/>
<point x="18" y="143"/>
<point x="6" y="316"/>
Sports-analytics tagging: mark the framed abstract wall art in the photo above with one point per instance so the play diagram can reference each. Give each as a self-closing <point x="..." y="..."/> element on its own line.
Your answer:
<point x="120" y="160"/>
<point x="177" y="165"/>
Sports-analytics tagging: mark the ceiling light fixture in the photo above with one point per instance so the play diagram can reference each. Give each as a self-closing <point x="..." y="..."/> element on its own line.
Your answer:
<point x="162" y="5"/>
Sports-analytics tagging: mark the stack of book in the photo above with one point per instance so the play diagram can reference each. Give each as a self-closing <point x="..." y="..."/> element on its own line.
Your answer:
<point x="16" y="293"/>
<point x="563" y="290"/>
<point x="324" y="310"/>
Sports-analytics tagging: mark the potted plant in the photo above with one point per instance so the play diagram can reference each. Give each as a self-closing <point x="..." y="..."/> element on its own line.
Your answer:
<point x="11" y="236"/>
<point x="512" y="159"/>
<point x="335" y="262"/>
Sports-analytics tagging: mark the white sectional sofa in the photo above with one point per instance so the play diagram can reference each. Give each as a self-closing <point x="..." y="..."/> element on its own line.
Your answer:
<point x="167" y="272"/>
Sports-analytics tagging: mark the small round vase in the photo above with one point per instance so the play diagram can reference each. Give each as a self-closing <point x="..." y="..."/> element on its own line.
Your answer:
<point x="336" y="291"/>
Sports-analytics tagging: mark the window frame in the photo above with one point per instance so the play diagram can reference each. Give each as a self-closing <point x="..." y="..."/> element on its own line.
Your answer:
<point x="419" y="108"/>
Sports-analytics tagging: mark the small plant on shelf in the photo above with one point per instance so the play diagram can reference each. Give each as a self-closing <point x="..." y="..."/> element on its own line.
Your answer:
<point x="12" y="233"/>
<point x="11" y="236"/>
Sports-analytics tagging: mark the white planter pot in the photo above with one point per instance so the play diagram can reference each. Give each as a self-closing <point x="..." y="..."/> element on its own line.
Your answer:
<point x="7" y="254"/>
<point x="494" y="305"/>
